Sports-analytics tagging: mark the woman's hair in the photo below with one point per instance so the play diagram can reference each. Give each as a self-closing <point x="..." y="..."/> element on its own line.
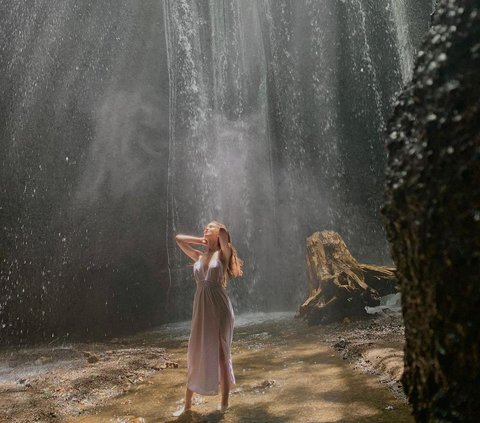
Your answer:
<point x="234" y="265"/>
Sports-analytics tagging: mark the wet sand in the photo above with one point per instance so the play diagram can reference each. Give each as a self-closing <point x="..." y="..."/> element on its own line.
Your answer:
<point x="285" y="370"/>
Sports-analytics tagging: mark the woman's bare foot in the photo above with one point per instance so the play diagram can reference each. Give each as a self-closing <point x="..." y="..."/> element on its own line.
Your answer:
<point x="187" y="404"/>
<point x="222" y="407"/>
<point x="181" y="412"/>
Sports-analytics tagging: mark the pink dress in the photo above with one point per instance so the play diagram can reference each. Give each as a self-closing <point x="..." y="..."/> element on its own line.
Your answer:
<point x="212" y="329"/>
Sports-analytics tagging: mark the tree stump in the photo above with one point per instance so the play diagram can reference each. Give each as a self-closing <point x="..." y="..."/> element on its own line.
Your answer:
<point x="339" y="285"/>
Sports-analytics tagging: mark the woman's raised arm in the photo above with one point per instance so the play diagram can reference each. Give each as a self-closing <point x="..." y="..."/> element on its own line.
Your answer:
<point x="183" y="242"/>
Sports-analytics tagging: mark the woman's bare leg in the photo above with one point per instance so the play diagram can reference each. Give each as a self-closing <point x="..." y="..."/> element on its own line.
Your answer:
<point x="188" y="399"/>
<point x="224" y="382"/>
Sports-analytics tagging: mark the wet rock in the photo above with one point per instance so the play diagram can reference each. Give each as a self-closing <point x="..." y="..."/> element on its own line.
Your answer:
<point x="165" y="364"/>
<point x="91" y="357"/>
<point x="432" y="216"/>
<point x="130" y="419"/>
<point x="25" y="382"/>
<point x="42" y="360"/>
<point x="340" y="345"/>
<point x="264" y="384"/>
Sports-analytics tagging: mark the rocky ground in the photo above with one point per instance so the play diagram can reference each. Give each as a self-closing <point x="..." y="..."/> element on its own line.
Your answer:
<point x="47" y="383"/>
<point x="57" y="383"/>
<point x="373" y="346"/>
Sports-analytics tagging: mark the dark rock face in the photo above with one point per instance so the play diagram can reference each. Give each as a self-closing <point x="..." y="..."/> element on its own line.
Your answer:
<point x="83" y="163"/>
<point x="432" y="216"/>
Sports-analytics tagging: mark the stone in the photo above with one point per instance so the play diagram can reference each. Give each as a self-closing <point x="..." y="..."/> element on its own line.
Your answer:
<point x="432" y="217"/>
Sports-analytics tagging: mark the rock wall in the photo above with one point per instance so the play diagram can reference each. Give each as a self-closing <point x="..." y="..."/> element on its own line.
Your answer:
<point x="432" y="216"/>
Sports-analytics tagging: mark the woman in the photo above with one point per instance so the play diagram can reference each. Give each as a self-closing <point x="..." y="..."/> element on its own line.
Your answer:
<point x="209" y="347"/>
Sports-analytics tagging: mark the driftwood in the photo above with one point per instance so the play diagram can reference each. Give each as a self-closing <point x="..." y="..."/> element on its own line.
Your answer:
<point x="339" y="285"/>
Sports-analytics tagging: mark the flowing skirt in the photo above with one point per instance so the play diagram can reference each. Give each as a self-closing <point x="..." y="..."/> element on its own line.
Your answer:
<point x="212" y="330"/>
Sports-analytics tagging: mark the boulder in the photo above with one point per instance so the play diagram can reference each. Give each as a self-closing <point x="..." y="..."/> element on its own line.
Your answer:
<point x="432" y="216"/>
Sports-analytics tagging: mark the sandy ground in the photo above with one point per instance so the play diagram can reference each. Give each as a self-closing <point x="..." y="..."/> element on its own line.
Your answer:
<point x="286" y="372"/>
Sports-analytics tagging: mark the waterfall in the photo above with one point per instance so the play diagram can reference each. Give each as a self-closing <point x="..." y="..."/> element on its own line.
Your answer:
<point x="404" y="44"/>
<point x="218" y="138"/>
<point x="169" y="212"/>
<point x="126" y="122"/>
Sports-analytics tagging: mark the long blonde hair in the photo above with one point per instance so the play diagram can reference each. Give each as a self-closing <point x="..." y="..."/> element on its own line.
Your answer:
<point x="235" y="263"/>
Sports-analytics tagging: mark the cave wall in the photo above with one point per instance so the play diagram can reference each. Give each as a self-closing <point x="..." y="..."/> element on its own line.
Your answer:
<point x="84" y="141"/>
<point x="432" y="216"/>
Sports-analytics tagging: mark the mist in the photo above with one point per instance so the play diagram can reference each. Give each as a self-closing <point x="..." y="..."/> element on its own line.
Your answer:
<point x="124" y="123"/>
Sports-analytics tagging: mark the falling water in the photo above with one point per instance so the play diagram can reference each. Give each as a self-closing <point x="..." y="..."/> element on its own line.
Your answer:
<point x="169" y="221"/>
<point x="404" y="43"/>
<point x="219" y="144"/>
<point x="367" y="59"/>
<point x="125" y="123"/>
